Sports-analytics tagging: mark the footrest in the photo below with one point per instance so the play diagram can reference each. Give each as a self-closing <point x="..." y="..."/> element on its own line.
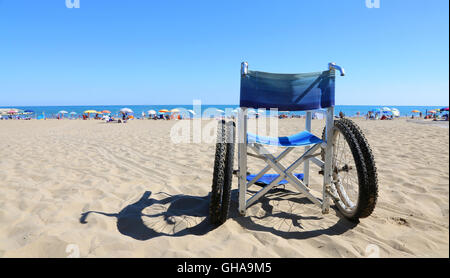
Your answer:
<point x="268" y="178"/>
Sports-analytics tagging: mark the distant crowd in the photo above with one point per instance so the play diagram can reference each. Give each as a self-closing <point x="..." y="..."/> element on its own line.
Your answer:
<point x="123" y="117"/>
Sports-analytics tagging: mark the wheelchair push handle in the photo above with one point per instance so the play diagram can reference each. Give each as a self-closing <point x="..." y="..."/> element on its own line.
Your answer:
<point x="244" y="68"/>
<point x="333" y="66"/>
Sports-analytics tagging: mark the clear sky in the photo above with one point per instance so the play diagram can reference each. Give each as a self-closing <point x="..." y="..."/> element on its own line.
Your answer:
<point x="174" y="51"/>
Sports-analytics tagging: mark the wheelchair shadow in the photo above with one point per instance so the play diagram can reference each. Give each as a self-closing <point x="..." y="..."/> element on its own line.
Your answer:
<point x="274" y="218"/>
<point x="180" y="218"/>
<point x="181" y="215"/>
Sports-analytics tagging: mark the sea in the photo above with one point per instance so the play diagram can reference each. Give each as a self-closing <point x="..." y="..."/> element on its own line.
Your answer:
<point x="348" y="110"/>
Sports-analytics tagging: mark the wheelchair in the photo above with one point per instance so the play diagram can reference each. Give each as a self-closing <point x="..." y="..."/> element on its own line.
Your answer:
<point x="342" y="152"/>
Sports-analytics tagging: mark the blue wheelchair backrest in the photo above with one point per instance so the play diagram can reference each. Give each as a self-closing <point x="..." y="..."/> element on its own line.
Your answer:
<point x="287" y="92"/>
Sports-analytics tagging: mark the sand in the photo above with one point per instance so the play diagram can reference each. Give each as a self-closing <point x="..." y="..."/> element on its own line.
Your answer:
<point x="90" y="189"/>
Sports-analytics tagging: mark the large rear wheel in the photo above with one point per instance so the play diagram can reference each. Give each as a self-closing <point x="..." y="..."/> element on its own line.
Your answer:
<point x="371" y="190"/>
<point x="349" y="173"/>
<point x="223" y="173"/>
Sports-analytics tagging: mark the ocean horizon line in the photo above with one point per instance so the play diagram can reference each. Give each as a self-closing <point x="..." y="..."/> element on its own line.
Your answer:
<point x="207" y="104"/>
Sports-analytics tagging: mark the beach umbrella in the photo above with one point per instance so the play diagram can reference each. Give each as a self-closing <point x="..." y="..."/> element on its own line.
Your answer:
<point x="175" y="110"/>
<point x="151" y="112"/>
<point x="444" y="109"/>
<point x="73" y="113"/>
<point x="432" y="112"/>
<point x="106" y="112"/>
<point x="29" y="111"/>
<point x="220" y="111"/>
<point x="90" y="112"/>
<point x="386" y="110"/>
<point x="126" y="110"/>
<point x="415" y="111"/>
<point x="62" y="112"/>
<point x="395" y="112"/>
<point x="192" y="112"/>
<point x="12" y="111"/>
<point x="164" y="111"/>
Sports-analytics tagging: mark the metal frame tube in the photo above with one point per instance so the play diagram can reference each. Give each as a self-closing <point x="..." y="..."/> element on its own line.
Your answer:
<point x="317" y="161"/>
<point x="303" y="158"/>
<point x="267" y="168"/>
<point x="306" y="164"/>
<point x="327" y="177"/>
<point x="287" y="173"/>
<point x="242" y="157"/>
<point x="263" y="191"/>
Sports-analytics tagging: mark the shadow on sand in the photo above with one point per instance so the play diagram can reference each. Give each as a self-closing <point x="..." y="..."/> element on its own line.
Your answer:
<point x="130" y="220"/>
<point x="274" y="218"/>
<point x="180" y="215"/>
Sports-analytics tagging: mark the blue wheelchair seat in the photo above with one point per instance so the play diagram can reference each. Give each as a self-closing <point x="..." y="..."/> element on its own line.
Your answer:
<point x="268" y="178"/>
<point x="303" y="138"/>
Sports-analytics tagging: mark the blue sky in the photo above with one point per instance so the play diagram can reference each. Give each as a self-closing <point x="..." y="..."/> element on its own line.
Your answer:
<point x="174" y="51"/>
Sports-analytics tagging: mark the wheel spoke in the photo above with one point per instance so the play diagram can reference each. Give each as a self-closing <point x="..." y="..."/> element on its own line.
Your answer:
<point x="344" y="172"/>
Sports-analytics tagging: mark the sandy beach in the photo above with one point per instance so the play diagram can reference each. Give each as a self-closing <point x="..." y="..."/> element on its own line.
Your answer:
<point x="73" y="187"/>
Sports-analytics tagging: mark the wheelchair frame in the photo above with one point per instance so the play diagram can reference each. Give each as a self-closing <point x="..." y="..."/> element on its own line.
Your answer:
<point x="273" y="162"/>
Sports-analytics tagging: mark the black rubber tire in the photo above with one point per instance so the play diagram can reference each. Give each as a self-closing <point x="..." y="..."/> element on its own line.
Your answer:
<point x="218" y="175"/>
<point x="372" y="189"/>
<point x="362" y="202"/>
<point x="223" y="173"/>
<point x="230" y="131"/>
